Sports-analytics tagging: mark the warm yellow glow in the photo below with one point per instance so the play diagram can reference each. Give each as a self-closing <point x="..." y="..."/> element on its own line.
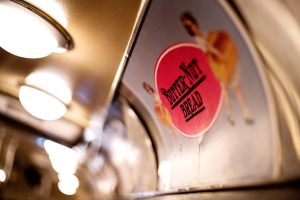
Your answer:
<point x="68" y="184"/>
<point x="40" y="104"/>
<point x="106" y="186"/>
<point x="25" y="34"/>
<point x="124" y="151"/>
<point x="164" y="172"/>
<point x="54" y="82"/>
<point x="53" y="8"/>
<point x="60" y="50"/>
<point x="64" y="160"/>
<point x="2" y="175"/>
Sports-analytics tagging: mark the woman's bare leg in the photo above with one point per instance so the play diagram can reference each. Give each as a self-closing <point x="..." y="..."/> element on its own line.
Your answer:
<point x="228" y="106"/>
<point x="242" y="102"/>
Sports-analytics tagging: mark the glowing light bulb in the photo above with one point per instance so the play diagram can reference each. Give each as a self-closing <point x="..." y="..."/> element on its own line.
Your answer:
<point x="68" y="184"/>
<point x="53" y="8"/>
<point x="54" y="82"/>
<point x="40" y="104"/>
<point x="2" y="175"/>
<point x="26" y="34"/>
<point x="45" y="95"/>
<point x="63" y="159"/>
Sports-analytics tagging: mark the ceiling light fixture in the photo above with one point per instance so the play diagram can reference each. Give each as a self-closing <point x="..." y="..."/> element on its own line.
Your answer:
<point x="2" y="176"/>
<point x="45" y="94"/>
<point x="28" y="32"/>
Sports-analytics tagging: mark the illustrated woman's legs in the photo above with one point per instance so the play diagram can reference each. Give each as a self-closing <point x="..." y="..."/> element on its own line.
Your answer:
<point x="242" y="102"/>
<point x="228" y="105"/>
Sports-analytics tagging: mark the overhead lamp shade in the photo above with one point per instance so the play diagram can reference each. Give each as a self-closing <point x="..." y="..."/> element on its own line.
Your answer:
<point x="40" y="104"/>
<point x="28" y="32"/>
<point x="45" y="95"/>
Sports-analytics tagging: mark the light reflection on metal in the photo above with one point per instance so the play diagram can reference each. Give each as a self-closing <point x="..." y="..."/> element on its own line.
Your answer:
<point x="287" y="95"/>
<point x="9" y="146"/>
<point x="2" y="176"/>
<point x="106" y="186"/>
<point x="283" y="67"/>
<point x="164" y="172"/>
<point x="123" y="151"/>
<point x="119" y="155"/>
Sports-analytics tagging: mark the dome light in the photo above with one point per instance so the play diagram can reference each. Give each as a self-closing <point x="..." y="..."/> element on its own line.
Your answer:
<point x="45" y="95"/>
<point x="28" y="32"/>
<point x="2" y="176"/>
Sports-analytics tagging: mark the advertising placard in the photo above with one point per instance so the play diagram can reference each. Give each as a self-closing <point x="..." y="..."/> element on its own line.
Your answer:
<point x="196" y="72"/>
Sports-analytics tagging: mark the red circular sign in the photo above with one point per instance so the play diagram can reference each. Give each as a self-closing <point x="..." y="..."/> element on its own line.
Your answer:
<point x="188" y="88"/>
